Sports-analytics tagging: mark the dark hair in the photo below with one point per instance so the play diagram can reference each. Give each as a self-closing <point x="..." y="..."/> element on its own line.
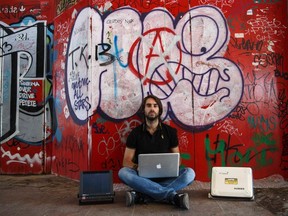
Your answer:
<point x="158" y="101"/>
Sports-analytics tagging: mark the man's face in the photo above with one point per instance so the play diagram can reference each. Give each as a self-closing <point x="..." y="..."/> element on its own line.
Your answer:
<point x="151" y="109"/>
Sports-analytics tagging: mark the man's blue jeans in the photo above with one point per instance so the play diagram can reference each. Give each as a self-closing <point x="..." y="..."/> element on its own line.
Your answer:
<point x="163" y="190"/>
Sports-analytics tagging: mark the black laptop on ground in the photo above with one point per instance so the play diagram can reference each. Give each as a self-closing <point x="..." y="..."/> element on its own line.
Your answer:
<point x="96" y="187"/>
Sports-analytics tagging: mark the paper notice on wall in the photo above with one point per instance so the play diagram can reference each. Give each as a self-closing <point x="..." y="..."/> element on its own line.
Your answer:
<point x="250" y="12"/>
<point x="239" y="35"/>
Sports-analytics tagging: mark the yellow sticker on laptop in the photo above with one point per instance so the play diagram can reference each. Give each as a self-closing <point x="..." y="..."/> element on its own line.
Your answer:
<point x="233" y="181"/>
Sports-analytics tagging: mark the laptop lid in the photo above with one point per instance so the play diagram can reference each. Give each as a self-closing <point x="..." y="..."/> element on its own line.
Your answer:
<point x="160" y="165"/>
<point x="96" y="183"/>
<point x="232" y="182"/>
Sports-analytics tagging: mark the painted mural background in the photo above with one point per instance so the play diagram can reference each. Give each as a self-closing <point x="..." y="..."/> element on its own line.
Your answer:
<point x="26" y="111"/>
<point x="219" y="68"/>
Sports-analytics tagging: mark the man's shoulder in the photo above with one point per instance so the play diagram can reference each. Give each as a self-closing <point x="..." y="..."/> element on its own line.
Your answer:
<point x="138" y="128"/>
<point x="168" y="127"/>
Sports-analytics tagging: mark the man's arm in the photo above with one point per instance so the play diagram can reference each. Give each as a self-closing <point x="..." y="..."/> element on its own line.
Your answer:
<point x="175" y="150"/>
<point x="128" y="158"/>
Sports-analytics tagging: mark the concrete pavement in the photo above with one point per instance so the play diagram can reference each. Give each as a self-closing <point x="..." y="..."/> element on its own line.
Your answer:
<point x="35" y="195"/>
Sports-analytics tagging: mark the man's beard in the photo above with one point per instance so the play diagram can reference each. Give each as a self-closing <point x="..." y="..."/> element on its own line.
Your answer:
<point x="152" y="118"/>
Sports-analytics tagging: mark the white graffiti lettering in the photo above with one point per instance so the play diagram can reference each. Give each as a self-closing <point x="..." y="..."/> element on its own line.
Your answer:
<point x="155" y="60"/>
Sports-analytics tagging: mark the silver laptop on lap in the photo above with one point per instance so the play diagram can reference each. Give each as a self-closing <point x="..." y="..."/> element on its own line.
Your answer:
<point x="160" y="165"/>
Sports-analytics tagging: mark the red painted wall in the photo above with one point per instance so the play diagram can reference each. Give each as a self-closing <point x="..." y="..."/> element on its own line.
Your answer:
<point x="219" y="68"/>
<point x="220" y="71"/>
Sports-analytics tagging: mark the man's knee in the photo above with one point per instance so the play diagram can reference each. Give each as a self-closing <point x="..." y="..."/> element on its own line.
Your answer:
<point x="190" y="175"/>
<point x="121" y="173"/>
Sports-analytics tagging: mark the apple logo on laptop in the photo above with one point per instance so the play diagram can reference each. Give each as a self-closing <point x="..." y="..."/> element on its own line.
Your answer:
<point x="158" y="166"/>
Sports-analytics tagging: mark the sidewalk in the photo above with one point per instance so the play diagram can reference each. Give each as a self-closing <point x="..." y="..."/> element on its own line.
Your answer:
<point x="35" y="195"/>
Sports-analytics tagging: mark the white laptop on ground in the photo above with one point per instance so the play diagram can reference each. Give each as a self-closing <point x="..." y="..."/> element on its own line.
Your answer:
<point x="233" y="182"/>
<point x="160" y="165"/>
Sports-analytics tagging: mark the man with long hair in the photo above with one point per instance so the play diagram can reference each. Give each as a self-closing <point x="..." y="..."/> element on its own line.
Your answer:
<point x="153" y="136"/>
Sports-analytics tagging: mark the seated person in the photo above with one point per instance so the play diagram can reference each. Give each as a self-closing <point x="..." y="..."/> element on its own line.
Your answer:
<point x="153" y="136"/>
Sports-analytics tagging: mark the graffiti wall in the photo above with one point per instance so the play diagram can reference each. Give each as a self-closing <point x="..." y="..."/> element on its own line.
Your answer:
<point x="219" y="68"/>
<point x="26" y="89"/>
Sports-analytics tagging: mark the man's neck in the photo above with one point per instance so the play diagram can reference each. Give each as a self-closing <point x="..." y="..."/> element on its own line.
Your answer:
<point x="151" y="126"/>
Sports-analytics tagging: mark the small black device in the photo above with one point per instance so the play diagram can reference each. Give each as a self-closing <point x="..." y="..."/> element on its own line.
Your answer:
<point x="96" y="187"/>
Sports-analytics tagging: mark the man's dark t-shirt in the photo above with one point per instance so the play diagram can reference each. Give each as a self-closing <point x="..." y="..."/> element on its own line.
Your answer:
<point x="164" y="138"/>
